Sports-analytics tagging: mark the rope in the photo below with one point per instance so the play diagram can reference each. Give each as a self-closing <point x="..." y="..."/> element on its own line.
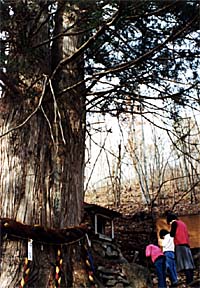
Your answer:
<point x="89" y="264"/>
<point x="58" y="243"/>
<point x="59" y="262"/>
<point x="26" y="271"/>
<point x="45" y="242"/>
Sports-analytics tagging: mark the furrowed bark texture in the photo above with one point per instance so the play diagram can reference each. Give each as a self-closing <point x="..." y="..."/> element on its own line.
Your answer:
<point x="42" y="162"/>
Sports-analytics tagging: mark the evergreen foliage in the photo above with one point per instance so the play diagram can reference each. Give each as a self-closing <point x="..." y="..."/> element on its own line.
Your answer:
<point x="127" y="44"/>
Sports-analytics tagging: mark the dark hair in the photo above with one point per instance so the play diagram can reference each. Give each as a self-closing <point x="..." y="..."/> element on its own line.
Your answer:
<point x="163" y="232"/>
<point x="171" y="217"/>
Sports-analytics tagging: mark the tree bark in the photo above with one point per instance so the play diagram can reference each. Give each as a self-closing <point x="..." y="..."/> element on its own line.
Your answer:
<point x="42" y="162"/>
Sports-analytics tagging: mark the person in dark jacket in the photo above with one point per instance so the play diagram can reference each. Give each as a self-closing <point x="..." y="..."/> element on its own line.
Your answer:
<point x="184" y="259"/>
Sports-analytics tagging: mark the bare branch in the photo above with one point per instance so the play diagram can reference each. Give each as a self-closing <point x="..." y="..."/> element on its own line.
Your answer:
<point x="32" y="114"/>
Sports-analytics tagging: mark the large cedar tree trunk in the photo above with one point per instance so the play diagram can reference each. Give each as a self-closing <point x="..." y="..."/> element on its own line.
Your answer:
<point x="41" y="161"/>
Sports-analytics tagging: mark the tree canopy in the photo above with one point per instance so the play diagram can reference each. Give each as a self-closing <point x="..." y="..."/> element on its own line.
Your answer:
<point x="127" y="45"/>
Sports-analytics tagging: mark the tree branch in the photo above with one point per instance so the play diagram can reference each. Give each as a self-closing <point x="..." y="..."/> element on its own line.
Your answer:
<point x="9" y="83"/>
<point x="85" y="45"/>
<point x="31" y="115"/>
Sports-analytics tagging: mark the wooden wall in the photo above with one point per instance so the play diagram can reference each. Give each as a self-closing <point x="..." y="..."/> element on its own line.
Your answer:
<point x="193" y="224"/>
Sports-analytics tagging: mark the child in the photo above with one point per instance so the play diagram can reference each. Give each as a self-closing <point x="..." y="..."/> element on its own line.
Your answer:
<point x="158" y="259"/>
<point x="168" y="250"/>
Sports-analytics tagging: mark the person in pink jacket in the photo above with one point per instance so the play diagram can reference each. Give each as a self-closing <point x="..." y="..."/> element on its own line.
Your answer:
<point x="158" y="259"/>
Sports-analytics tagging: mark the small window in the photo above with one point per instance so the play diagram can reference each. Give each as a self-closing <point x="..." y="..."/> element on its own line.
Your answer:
<point x="104" y="227"/>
